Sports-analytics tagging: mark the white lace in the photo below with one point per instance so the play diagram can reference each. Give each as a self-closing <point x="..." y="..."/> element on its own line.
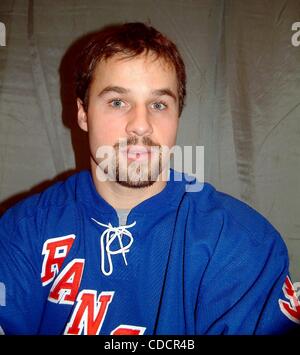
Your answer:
<point x="107" y="238"/>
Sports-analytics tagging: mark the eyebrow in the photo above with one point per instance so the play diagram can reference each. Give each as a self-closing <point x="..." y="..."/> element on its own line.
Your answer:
<point x="162" y="92"/>
<point x="117" y="89"/>
<point x="121" y="90"/>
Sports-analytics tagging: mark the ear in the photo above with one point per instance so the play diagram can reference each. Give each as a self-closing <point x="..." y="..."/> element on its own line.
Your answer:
<point x="81" y="116"/>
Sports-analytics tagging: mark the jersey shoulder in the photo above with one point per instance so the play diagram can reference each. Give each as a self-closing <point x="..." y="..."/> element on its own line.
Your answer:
<point x="239" y="216"/>
<point x="56" y="196"/>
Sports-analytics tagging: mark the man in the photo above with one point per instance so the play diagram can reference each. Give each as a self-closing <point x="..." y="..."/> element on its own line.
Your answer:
<point x="121" y="250"/>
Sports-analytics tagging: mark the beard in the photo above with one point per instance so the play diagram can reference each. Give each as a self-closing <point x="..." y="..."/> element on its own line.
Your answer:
<point x="130" y="162"/>
<point x="138" y="174"/>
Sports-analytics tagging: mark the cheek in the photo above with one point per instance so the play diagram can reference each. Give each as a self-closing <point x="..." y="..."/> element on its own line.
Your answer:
<point x="105" y="135"/>
<point x="104" y="130"/>
<point x="166" y="132"/>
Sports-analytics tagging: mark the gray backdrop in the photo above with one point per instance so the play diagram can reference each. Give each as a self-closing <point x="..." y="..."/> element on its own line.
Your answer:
<point x="243" y="99"/>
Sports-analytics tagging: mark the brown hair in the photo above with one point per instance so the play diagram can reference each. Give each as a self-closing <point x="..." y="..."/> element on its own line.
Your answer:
<point x="130" y="40"/>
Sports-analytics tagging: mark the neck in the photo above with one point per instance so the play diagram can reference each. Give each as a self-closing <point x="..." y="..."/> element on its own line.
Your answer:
<point x="122" y="197"/>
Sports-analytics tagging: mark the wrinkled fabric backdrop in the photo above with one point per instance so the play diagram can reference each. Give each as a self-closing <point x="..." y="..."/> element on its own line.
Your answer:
<point x="243" y="97"/>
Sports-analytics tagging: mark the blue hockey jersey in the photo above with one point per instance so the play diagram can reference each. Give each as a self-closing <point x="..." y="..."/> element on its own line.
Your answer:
<point x="185" y="263"/>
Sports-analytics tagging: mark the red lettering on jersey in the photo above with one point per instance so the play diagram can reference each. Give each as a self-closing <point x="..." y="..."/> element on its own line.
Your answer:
<point x="125" y="329"/>
<point x="65" y="287"/>
<point x="290" y="309"/>
<point x="89" y="313"/>
<point x="55" y="251"/>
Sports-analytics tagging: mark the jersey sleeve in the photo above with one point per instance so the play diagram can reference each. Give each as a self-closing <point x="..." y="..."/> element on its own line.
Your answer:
<point x="247" y="289"/>
<point x="21" y="298"/>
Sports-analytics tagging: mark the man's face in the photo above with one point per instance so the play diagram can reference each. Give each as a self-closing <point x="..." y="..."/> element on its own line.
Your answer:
<point x="133" y="107"/>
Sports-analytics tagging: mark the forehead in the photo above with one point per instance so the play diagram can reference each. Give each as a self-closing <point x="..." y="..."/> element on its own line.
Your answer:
<point x="148" y="69"/>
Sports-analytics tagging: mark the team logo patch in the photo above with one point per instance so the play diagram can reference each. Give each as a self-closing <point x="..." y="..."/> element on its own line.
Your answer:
<point x="291" y="308"/>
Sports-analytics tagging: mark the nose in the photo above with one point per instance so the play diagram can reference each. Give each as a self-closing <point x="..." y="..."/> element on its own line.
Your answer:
<point x="139" y="123"/>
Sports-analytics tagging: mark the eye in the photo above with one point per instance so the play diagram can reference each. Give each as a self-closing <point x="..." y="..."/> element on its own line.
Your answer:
<point x="159" y="106"/>
<point x="117" y="103"/>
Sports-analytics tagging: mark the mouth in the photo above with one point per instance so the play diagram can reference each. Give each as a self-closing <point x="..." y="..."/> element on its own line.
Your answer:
<point x="136" y="153"/>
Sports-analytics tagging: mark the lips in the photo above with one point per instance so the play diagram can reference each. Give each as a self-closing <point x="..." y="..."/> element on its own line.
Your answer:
<point x="137" y="153"/>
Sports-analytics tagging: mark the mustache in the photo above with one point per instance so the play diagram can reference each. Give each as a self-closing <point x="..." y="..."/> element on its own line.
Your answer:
<point x="134" y="141"/>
